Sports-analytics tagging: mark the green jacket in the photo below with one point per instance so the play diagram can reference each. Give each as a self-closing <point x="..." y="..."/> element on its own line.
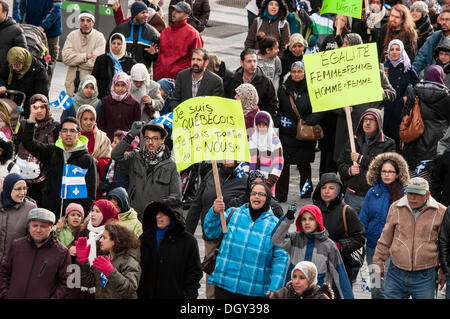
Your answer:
<point x="130" y="220"/>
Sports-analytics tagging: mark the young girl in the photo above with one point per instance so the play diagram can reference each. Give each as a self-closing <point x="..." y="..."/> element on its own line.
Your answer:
<point x="304" y="284"/>
<point x="116" y="274"/>
<point x="311" y="242"/>
<point x="268" y="58"/>
<point x="99" y="145"/>
<point x="87" y="94"/>
<point x="69" y="226"/>
<point x="266" y="152"/>
<point x="119" y="109"/>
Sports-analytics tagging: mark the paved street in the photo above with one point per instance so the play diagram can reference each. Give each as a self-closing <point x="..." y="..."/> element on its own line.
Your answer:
<point x="224" y="36"/>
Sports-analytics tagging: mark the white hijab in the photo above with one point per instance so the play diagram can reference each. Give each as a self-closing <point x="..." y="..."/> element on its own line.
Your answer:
<point x="263" y="141"/>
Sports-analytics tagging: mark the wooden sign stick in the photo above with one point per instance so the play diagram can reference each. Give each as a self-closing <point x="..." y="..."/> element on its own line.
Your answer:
<point x="219" y="195"/>
<point x="350" y="130"/>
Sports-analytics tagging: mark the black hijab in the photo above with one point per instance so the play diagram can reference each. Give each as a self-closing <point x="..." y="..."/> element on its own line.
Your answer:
<point x="255" y="213"/>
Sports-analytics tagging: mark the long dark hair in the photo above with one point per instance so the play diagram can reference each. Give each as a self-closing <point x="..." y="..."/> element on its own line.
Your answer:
<point x="395" y="188"/>
<point x="124" y="239"/>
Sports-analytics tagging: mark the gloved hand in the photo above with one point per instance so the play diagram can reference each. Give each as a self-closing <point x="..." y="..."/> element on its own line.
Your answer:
<point x="103" y="264"/>
<point x="291" y="211"/>
<point x="136" y="128"/>
<point x="338" y="245"/>
<point x="82" y="249"/>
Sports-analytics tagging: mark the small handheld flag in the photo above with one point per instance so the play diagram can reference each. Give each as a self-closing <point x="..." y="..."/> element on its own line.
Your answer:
<point x="285" y="121"/>
<point x="364" y="285"/>
<point x="64" y="101"/>
<point x="305" y="188"/>
<point x="166" y="119"/>
<point x="240" y="173"/>
<point x="73" y="182"/>
<point x="420" y="168"/>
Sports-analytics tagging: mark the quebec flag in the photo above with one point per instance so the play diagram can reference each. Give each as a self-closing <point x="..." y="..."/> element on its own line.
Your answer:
<point x="166" y="119"/>
<point x="73" y="182"/>
<point x="64" y="101"/>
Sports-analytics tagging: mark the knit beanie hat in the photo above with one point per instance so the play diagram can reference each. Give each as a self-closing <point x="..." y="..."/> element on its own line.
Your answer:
<point x="137" y="8"/>
<point x="309" y="270"/>
<point x="262" y="117"/>
<point x="167" y="85"/>
<point x="435" y="73"/>
<point x="74" y="206"/>
<point x="421" y="6"/>
<point x="297" y="38"/>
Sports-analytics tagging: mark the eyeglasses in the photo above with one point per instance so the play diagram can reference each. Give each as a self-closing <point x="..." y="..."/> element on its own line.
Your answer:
<point x="154" y="138"/>
<point x="259" y="194"/>
<point x="369" y="119"/>
<point x="15" y="65"/>
<point x="20" y="189"/>
<point x="71" y="131"/>
<point x="388" y="172"/>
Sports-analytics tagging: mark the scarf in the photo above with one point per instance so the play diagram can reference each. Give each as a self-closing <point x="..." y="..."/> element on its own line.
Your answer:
<point x="123" y="49"/>
<point x="263" y="141"/>
<point x="139" y="73"/>
<point x="268" y="15"/>
<point x="117" y="65"/>
<point x="95" y="233"/>
<point x="150" y="159"/>
<point x="161" y="232"/>
<point x="81" y="99"/>
<point x="19" y="55"/>
<point x="48" y="120"/>
<point x="404" y="58"/>
<point x="248" y="96"/>
<point x="120" y="77"/>
<point x="375" y="17"/>
<point x="255" y="213"/>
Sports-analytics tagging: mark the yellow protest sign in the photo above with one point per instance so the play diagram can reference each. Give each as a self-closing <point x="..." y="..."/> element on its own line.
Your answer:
<point x="209" y="128"/>
<point x="350" y="8"/>
<point x="343" y="77"/>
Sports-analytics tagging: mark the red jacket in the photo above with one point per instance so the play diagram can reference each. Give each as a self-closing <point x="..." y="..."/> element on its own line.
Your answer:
<point x="175" y="50"/>
<point x="29" y="272"/>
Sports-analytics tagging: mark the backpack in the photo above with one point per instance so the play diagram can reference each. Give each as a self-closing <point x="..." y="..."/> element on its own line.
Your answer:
<point x="36" y="42"/>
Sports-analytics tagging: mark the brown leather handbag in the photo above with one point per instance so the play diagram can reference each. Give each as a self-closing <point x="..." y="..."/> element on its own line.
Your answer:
<point x="306" y="132"/>
<point x="411" y="126"/>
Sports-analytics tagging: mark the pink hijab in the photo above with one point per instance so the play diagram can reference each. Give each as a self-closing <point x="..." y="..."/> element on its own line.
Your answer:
<point x="120" y="77"/>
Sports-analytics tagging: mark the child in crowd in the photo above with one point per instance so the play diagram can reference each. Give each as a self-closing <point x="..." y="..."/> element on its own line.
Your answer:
<point x="166" y="87"/>
<point x="69" y="226"/>
<point x="311" y="242"/>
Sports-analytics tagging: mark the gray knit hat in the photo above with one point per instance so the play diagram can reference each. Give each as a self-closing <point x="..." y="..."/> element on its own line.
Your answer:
<point x="421" y="6"/>
<point x="41" y="214"/>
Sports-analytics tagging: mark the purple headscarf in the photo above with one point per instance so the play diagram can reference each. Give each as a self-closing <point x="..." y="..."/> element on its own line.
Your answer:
<point x="435" y="73"/>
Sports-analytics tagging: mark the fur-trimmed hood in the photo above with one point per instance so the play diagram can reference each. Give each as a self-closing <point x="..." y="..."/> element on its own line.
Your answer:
<point x="373" y="173"/>
<point x="283" y="12"/>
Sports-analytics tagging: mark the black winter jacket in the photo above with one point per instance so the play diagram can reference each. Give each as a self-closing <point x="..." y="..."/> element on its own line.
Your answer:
<point x="434" y="101"/>
<point x="12" y="36"/>
<point x="379" y="144"/>
<point x="52" y="157"/>
<point x="332" y="218"/>
<point x="444" y="242"/>
<point x="424" y="30"/>
<point x="172" y="270"/>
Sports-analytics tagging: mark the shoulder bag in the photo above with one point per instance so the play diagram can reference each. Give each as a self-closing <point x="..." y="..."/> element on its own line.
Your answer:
<point x="411" y="126"/>
<point x="306" y="132"/>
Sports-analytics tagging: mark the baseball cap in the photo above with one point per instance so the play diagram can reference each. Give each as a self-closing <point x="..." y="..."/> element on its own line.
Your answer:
<point x="417" y="185"/>
<point x="182" y="7"/>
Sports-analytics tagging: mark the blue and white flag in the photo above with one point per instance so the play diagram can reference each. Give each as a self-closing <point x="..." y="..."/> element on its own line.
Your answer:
<point x="103" y="280"/>
<point x="364" y="285"/>
<point x="239" y="170"/>
<point x="420" y="168"/>
<point x="285" y="121"/>
<point x="166" y="119"/>
<point x="73" y="182"/>
<point x="64" y="101"/>
<point x="305" y="188"/>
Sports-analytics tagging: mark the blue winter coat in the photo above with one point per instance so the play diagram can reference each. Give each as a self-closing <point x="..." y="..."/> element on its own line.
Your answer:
<point x="374" y="211"/>
<point x="248" y="263"/>
<point x="400" y="81"/>
<point x="425" y="56"/>
<point x="43" y="13"/>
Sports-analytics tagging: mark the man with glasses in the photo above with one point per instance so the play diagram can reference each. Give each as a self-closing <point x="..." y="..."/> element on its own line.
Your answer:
<point x="369" y="142"/>
<point x="152" y="170"/>
<point x="70" y="148"/>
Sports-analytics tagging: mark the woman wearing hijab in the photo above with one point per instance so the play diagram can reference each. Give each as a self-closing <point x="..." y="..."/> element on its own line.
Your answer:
<point x="248" y="96"/>
<point x="119" y="109"/>
<point x="266" y="152"/>
<point x="99" y="145"/>
<point x="87" y="94"/>
<point x="311" y="242"/>
<point x="304" y="284"/>
<point x="146" y="91"/>
<point x="170" y="258"/>
<point x="24" y="73"/>
<point x="434" y="99"/>
<point x="14" y="209"/>
<point x="271" y="21"/>
<point x="112" y="62"/>
<point x="248" y="264"/>
<point x="46" y="131"/>
<point x="400" y="74"/>
<point x="295" y="152"/>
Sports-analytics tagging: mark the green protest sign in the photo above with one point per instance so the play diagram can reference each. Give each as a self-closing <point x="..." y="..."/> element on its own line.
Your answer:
<point x="349" y="8"/>
<point x="209" y="128"/>
<point x="343" y="77"/>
